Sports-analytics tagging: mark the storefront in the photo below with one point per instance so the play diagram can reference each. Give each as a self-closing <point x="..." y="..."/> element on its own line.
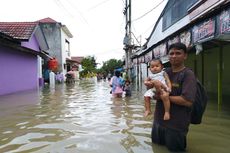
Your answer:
<point x="208" y="42"/>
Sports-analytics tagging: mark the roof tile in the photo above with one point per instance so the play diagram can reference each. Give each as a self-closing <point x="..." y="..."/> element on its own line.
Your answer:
<point x="46" y="20"/>
<point x="18" y="30"/>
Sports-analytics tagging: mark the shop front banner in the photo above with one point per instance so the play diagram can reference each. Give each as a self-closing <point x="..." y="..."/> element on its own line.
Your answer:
<point x="203" y="31"/>
<point x="185" y="38"/>
<point x="148" y="56"/>
<point x="160" y="50"/>
<point x="223" y="25"/>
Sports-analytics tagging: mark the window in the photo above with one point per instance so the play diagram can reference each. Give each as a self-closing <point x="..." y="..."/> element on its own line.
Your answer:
<point x="67" y="47"/>
<point x="175" y="10"/>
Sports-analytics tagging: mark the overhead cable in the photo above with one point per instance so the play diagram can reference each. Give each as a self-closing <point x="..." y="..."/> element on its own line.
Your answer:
<point x="148" y="11"/>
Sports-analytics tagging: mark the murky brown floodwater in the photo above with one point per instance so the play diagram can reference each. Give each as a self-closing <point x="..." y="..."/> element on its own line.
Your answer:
<point x="83" y="118"/>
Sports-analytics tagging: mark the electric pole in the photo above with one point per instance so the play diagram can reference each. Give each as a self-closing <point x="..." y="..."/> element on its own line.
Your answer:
<point x="127" y="39"/>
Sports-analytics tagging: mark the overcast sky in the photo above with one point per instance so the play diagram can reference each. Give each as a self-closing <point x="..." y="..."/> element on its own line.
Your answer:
<point x="98" y="26"/>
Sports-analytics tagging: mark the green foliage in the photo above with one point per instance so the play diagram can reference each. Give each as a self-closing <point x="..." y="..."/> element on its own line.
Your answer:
<point x="89" y="66"/>
<point x="110" y="65"/>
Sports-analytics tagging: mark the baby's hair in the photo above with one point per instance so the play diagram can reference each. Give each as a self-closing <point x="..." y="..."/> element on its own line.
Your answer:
<point x="156" y="60"/>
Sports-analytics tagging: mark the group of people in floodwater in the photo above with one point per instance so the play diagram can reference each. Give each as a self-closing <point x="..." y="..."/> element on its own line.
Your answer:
<point x="70" y="77"/>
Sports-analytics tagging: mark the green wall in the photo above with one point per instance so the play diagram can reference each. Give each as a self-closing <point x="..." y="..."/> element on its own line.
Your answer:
<point x="211" y="58"/>
<point x="226" y="73"/>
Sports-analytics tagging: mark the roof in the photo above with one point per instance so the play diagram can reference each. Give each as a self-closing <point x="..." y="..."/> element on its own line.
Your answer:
<point x="66" y="30"/>
<point x="18" y="30"/>
<point x="206" y="7"/>
<point x="50" y="20"/>
<point x="78" y="59"/>
<point x="71" y="61"/>
<point x="47" y="20"/>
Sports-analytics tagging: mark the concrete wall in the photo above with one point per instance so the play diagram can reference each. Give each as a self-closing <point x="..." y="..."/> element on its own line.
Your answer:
<point x="53" y="36"/>
<point x="18" y="71"/>
<point x="64" y="37"/>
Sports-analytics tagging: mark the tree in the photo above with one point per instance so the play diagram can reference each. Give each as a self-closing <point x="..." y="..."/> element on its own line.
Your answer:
<point x="110" y="65"/>
<point x="89" y="66"/>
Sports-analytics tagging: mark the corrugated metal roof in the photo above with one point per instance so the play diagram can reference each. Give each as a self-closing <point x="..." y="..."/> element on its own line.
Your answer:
<point x="18" y="30"/>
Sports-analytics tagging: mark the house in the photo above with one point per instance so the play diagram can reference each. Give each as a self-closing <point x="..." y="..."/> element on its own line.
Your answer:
<point x="204" y="27"/>
<point x="76" y="64"/>
<point x="58" y="37"/>
<point x="22" y="47"/>
<point x="77" y="59"/>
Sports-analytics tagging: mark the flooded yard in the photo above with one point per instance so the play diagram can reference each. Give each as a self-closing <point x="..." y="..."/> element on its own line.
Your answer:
<point x="83" y="118"/>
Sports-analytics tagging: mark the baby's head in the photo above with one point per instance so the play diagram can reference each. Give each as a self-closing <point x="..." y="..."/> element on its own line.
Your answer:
<point x="156" y="66"/>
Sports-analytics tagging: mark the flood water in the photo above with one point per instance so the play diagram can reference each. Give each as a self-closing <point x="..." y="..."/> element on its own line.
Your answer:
<point x="83" y="118"/>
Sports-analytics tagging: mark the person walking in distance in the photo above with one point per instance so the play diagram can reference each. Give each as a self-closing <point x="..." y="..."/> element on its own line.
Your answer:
<point x="117" y="83"/>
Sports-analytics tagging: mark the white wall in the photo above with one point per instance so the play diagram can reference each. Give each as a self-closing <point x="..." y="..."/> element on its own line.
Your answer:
<point x="63" y="48"/>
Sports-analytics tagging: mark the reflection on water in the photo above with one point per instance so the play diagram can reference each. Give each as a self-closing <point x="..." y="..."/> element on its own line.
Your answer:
<point x="84" y="118"/>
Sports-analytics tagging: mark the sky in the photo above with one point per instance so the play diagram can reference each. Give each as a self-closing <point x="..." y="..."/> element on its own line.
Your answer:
<point x="97" y="26"/>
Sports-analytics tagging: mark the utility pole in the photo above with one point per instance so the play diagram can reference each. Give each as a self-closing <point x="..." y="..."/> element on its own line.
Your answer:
<point x="127" y="39"/>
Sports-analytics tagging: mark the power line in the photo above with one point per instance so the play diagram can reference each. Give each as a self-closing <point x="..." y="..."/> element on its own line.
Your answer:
<point x="148" y="11"/>
<point x="97" y="5"/>
<point x="67" y="11"/>
<point x="60" y="5"/>
<point x="79" y="12"/>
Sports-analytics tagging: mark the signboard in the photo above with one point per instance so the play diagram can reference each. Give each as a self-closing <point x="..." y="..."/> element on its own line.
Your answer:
<point x="135" y="61"/>
<point x="185" y="38"/>
<point x="141" y="59"/>
<point x="203" y="31"/>
<point x="223" y="24"/>
<point x="165" y="59"/>
<point x="148" y="56"/>
<point x="173" y="40"/>
<point x="160" y="50"/>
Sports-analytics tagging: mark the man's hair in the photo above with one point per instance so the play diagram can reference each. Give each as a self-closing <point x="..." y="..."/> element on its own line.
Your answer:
<point x="179" y="46"/>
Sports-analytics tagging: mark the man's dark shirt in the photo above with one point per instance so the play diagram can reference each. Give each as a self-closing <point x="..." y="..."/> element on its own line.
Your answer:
<point x="183" y="84"/>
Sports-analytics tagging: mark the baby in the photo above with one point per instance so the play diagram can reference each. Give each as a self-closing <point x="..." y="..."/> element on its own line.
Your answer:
<point x="157" y="73"/>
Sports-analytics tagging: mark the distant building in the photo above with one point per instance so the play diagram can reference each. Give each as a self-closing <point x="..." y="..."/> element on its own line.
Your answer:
<point x="76" y="64"/>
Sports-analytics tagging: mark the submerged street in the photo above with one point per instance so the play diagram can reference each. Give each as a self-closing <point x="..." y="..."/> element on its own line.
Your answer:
<point x="84" y="118"/>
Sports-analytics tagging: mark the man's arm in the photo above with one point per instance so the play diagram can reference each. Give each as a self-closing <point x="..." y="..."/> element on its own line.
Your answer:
<point x="179" y="100"/>
<point x="168" y="82"/>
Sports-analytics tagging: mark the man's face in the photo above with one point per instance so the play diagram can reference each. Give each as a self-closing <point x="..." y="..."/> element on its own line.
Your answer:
<point x="177" y="56"/>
